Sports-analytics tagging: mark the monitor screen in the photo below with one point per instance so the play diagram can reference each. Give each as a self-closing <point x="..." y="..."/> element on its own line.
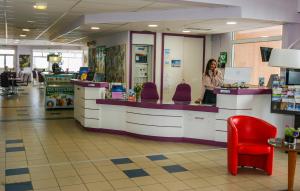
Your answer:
<point x="237" y="75"/>
<point x="265" y="53"/>
<point x="83" y="70"/>
<point x="293" y="77"/>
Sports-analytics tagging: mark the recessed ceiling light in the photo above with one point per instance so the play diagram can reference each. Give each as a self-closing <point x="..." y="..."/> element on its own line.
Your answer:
<point x="153" y="25"/>
<point x="30" y="21"/>
<point x="95" y="28"/>
<point x="40" y="5"/>
<point x="186" y="31"/>
<point x="23" y="35"/>
<point x="231" y="23"/>
<point x="26" y="30"/>
<point x="264" y="36"/>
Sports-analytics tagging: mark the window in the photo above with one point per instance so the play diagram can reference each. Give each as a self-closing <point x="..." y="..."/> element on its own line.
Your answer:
<point x="246" y="46"/>
<point x="72" y="60"/>
<point x="7" y="58"/>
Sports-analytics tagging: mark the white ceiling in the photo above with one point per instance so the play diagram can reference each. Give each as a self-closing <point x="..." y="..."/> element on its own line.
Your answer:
<point x="62" y="13"/>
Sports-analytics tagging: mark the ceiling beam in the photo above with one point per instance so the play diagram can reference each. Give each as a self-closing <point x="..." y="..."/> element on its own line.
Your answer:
<point x="58" y="19"/>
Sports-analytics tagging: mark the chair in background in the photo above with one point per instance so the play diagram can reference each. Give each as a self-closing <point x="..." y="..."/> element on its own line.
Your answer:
<point x="26" y="79"/>
<point x="41" y="80"/>
<point x="247" y="143"/>
<point x="182" y="93"/>
<point x="149" y="92"/>
<point x="5" y="86"/>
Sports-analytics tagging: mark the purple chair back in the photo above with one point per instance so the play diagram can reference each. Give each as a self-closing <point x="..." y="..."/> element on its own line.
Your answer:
<point x="182" y="93"/>
<point x="149" y="91"/>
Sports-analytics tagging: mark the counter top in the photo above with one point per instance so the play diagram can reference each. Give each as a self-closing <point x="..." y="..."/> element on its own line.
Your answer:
<point x="90" y="84"/>
<point x="160" y="105"/>
<point x="243" y="91"/>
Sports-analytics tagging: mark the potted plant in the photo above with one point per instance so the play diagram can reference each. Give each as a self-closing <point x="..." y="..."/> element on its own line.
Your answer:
<point x="137" y="89"/>
<point x="290" y="133"/>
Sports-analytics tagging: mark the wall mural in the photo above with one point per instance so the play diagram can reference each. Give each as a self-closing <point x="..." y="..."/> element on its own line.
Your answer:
<point x="115" y="63"/>
<point x="100" y="62"/>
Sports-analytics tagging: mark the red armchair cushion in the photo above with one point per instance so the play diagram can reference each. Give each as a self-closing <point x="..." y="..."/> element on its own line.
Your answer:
<point x="254" y="149"/>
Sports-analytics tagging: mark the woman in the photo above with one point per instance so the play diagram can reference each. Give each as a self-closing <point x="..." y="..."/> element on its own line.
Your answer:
<point x="212" y="78"/>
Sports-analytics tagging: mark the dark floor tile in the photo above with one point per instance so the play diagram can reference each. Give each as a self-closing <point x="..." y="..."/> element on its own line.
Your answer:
<point x="135" y="173"/>
<point x="157" y="157"/>
<point x="15" y="149"/>
<point x="16" y="171"/>
<point x="14" y="141"/>
<point x="174" y="168"/>
<point x="121" y="161"/>
<point x="22" y="186"/>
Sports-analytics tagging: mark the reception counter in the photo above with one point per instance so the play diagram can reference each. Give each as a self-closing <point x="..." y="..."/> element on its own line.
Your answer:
<point x="204" y="124"/>
<point x="85" y="95"/>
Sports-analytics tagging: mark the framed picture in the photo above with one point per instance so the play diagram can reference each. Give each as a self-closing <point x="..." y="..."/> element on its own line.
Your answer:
<point x="24" y="61"/>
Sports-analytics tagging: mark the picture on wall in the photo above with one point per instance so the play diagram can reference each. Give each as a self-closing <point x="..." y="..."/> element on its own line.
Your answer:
<point x="176" y="63"/>
<point x="24" y="61"/>
<point x="222" y="60"/>
<point x="115" y="64"/>
<point x="100" y="62"/>
<point x="92" y="58"/>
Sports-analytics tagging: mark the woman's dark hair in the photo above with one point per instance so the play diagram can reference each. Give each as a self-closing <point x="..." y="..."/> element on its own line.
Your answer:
<point x="208" y="66"/>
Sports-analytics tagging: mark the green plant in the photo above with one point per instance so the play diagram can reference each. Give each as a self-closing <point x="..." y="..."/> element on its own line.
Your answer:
<point x="138" y="88"/>
<point x="289" y="131"/>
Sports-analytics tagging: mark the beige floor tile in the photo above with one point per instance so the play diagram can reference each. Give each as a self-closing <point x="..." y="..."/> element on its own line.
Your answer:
<point x="122" y="183"/>
<point x="184" y="175"/>
<point x="114" y="175"/>
<point x="46" y="183"/>
<point x="49" y="189"/>
<point x="99" y="186"/>
<point x="176" y="186"/>
<point x="127" y="166"/>
<point x="67" y="181"/>
<point x="129" y="189"/>
<point x="154" y="187"/>
<point x="142" y="181"/>
<point x="79" y="187"/>
<point x="165" y="178"/>
<point x="17" y="178"/>
<point x="197" y="183"/>
<point x="86" y="171"/>
<point x="108" y="168"/>
<point x="92" y="178"/>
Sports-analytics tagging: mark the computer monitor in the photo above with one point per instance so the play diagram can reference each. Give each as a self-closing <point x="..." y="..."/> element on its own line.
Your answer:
<point x="83" y="70"/>
<point x="265" y="53"/>
<point x="292" y="77"/>
<point x="237" y="75"/>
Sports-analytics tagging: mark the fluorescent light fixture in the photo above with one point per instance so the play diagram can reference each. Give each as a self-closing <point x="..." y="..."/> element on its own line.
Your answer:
<point x="16" y="41"/>
<point x="264" y="36"/>
<point x="40" y="5"/>
<point x="30" y="21"/>
<point x="26" y="30"/>
<point x="152" y="25"/>
<point x="186" y="31"/>
<point x="23" y="35"/>
<point x="231" y="23"/>
<point x="95" y="28"/>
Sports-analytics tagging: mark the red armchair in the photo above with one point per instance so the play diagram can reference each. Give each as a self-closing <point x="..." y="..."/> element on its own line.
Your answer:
<point x="247" y="143"/>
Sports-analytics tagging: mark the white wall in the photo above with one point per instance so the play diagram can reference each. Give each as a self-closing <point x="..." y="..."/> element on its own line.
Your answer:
<point x="221" y="43"/>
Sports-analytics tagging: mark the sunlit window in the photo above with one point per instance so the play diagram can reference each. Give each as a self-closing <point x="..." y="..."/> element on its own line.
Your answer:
<point x="248" y="54"/>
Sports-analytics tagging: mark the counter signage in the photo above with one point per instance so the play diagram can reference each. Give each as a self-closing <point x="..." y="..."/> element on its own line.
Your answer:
<point x="59" y="97"/>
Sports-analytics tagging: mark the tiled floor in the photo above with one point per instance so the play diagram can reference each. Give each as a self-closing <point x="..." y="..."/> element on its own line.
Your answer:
<point x="42" y="151"/>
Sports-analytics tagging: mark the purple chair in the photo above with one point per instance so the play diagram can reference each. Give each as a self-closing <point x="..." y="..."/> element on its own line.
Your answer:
<point x="149" y="92"/>
<point x="182" y="93"/>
